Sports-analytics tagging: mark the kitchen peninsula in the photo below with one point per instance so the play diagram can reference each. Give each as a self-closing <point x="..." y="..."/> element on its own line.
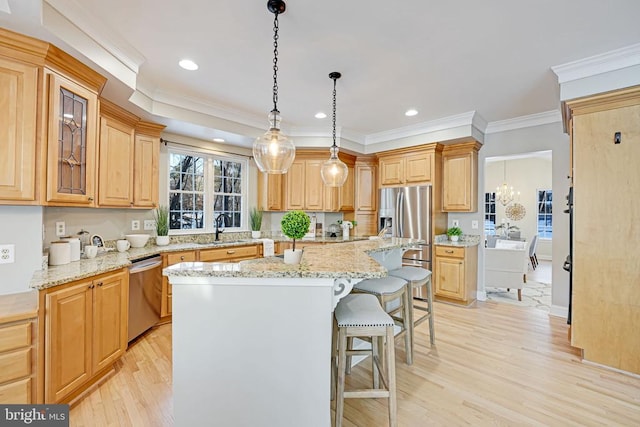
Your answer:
<point x="252" y="340"/>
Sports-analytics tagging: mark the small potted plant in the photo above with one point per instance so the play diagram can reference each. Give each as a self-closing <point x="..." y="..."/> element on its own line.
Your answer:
<point x="294" y="224"/>
<point x="255" y="222"/>
<point x="454" y="233"/>
<point x="161" y="215"/>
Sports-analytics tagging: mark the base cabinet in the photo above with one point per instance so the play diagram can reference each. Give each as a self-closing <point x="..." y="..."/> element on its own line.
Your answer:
<point x="17" y="357"/>
<point x="85" y="332"/>
<point x="455" y="274"/>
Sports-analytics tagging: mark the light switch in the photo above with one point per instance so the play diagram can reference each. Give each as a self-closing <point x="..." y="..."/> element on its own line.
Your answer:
<point x="474" y="224"/>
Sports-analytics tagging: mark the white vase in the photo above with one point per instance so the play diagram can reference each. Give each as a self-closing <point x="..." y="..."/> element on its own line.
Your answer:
<point x="162" y="240"/>
<point x="292" y="257"/>
<point x="454" y="238"/>
<point x="255" y="234"/>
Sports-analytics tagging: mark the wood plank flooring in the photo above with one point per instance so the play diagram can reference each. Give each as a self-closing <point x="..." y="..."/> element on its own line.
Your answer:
<point x="493" y="364"/>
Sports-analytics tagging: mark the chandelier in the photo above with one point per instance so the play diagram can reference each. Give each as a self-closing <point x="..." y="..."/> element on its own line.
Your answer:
<point x="504" y="193"/>
<point x="334" y="172"/>
<point x="274" y="152"/>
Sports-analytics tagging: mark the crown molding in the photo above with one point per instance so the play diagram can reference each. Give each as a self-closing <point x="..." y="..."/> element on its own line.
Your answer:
<point x="605" y="62"/>
<point x="531" y="120"/>
<point x="464" y="119"/>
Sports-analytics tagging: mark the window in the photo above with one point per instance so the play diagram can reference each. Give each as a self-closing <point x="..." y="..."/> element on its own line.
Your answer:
<point x="489" y="213"/>
<point x="545" y="218"/>
<point x="203" y="186"/>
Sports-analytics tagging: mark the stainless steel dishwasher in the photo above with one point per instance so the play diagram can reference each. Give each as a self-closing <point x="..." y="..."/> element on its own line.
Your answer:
<point x="145" y="294"/>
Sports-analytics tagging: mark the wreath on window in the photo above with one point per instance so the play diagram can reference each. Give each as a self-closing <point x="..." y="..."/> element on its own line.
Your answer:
<point x="515" y="211"/>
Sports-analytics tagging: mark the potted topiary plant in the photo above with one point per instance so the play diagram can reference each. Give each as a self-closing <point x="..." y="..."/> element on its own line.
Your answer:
<point x="161" y="215"/>
<point x="454" y="233"/>
<point x="294" y="224"/>
<point x="255" y="222"/>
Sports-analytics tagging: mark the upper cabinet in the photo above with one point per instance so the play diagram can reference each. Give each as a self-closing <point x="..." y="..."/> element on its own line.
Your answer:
<point x="404" y="167"/>
<point x="460" y="177"/>
<point x="270" y="192"/>
<point x="146" y="164"/>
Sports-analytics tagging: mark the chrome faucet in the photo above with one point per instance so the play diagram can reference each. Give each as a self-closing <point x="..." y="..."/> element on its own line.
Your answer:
<point x="223" y="217"/>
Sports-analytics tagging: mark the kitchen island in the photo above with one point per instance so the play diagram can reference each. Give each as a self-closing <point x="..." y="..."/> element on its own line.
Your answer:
<point x="252" y="340"/>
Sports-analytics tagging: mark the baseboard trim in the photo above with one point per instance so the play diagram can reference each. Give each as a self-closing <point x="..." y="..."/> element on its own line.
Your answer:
<point x="481" y="295"/>
<point x="559" y="311"/>
<point x="610" y="368"/>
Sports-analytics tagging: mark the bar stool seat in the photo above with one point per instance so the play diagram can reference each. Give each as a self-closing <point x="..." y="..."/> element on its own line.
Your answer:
<point x="416" y="278"/>
<point x="394" y="298"/>
<point x="360" y="315"/>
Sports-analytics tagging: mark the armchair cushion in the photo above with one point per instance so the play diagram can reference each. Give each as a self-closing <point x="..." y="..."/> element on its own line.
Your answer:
<point x="506" y="268"/>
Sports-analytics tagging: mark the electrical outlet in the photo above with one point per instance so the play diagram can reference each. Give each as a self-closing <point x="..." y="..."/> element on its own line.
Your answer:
<point x="455" y="223"/>
<point x="7" y="254"/>
<point x="135" y="225"/>
<point x="149" y="224"/>
<point x="61" y="229"/>
<point x="474" y="224"/>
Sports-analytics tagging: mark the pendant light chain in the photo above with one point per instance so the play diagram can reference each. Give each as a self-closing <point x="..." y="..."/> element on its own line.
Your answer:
<point x="275" y="63"/>
<point x="334" y="112"/>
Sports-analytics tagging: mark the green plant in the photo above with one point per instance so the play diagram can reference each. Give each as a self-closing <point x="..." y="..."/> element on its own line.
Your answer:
<point x="294" y="225"/>
<point x="454" y="231"/>
<point x="255" y="219"/>
<point x="161" y="215"/>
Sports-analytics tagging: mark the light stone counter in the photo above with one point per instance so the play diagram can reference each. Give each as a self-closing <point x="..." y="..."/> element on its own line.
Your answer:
<point x="466" y="241"/>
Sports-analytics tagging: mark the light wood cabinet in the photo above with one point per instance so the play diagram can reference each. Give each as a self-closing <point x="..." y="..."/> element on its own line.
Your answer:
<point x="314" y="188"/>
<point x="17" y="360"/>
<point x="366" y="190"/>
<point x="460" y="177"/>
<point x="232" y="253"/>
<point x="167" y="294"/>
<point x="406" y="168"/>
<point x="146" y="165"/>
<point x="18" y="145"/>
<point x="85" y="332"/>
<point x="605" y="304"/>
<point x="270" y="192"/>
<point x="295" y="186"/>
<point x="455" y="273"/>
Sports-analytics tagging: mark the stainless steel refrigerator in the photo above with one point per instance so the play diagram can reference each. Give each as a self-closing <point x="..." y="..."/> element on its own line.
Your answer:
<point x="406" y="212"/>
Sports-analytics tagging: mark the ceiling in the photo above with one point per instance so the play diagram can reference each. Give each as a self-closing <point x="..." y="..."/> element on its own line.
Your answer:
<point x="441" y="58"/>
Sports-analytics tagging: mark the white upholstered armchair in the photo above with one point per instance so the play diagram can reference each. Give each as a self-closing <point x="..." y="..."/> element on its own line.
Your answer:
<point x="506" y="265"/>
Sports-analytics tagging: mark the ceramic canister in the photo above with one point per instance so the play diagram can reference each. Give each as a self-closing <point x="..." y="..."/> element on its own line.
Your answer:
<point x="75" y="247"/>
<point x="59" y="253"/>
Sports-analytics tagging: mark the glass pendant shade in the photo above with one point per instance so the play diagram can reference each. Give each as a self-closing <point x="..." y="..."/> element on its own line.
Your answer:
<point x="334" y="171"/>
<point x="274" y="152"/>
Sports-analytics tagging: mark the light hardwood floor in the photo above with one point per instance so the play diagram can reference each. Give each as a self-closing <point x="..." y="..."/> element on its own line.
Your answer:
<point x="493" y="364"/>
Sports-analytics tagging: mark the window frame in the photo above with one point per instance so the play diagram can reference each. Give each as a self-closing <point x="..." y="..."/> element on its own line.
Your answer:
<point x="544" y="235"/>
<point x="209" y="194"/>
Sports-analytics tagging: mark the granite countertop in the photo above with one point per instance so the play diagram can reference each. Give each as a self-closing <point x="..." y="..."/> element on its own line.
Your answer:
<point x="112" y="260"/>
<point x="348" y="260"/>
<point x="466" y="241"/>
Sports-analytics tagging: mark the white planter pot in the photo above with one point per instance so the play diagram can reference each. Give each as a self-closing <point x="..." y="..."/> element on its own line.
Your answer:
<point x="162" y="240"/>
<point x="291" y="257"/>
<point x="255" y="234"/>
<point x="454" y="238"/>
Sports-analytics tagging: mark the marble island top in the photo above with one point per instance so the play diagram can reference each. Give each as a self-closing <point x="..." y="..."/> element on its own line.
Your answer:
<point x="354" y="259"/>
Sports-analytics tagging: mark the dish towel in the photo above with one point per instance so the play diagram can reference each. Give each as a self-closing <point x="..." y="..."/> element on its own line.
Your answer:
<point x="268" y="247"/>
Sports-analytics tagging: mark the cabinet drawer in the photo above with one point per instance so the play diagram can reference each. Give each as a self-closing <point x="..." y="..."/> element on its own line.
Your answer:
<point x="179" y="257"/>
<point x="15" y="365"/>
<point x="15" y="336"/>
<point x="18" y="392"/>
<point x="230" y="253"/>
<point x="449" y="251"/>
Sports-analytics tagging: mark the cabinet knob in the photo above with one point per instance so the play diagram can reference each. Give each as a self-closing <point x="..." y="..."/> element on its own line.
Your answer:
<point x="99" y="283"/>
<point x="90" y="199"/>
<point x="449" y="251"/>
<point x="182" y="258"/>
<point x="91" y="286"/>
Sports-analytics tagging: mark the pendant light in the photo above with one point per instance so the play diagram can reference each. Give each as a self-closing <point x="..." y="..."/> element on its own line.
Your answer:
<point x="334" y="172"/>
<point x="274" y="152"/>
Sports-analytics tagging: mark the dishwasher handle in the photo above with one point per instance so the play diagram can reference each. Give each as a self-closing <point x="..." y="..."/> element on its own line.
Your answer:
<point x="144" y="266"/>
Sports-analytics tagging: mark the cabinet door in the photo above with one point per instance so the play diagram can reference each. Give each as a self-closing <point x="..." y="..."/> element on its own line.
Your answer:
<point x="68" y="340"/>
<point x="365" y="188"/>
<point x="270" y="192"/>
<point x="314" y="187"/>
<point x="391" y="170"/>
<point x="110" y="313"/>
<point x="71" y="143"/>
<point x="418" y="168"/>
<point x="347" y="192"/>
<point x="295" y="184"/>
<point x="331" y="199"/>
<point x="146" y="158"/>
<point x="116" y="163"/>
<point x="450" y="278"/>
<point x="458" y="183"/>
<point x="18" y="84"/>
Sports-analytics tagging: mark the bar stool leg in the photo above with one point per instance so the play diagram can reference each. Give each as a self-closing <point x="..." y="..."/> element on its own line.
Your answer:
<point x="342" y="360"/>
<point x="407" y="319"/>
<point x="432" y="333"/>
<point x="349" y="347"/>
<point x="391" y="378"/>
<point x="334" y="356"/>
<point x="375" y="351"/>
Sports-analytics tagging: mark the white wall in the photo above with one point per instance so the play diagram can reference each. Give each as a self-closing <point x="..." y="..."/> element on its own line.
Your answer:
<point x="527" y="176"/>
<point x="528" y="140"/>
<point x="20" y="226"/>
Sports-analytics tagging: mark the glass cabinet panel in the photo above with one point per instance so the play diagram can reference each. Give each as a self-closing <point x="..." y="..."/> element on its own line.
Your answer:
<point x="72" y="143"/>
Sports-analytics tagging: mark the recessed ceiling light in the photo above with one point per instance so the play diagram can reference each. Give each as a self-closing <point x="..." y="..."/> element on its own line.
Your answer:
<point x="188" y="64"/>
<point x="321" y="115"/>
<point x="218" y="140"/>
<point x="411" y="112"/>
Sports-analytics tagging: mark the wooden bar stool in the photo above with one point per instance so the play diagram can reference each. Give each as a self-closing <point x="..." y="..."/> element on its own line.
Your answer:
<point x="360" y="315"/>
<point x="416" y="278"/>
<point x="394" y="299"/>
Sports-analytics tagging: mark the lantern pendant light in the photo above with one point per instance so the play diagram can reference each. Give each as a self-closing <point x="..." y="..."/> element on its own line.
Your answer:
<point x="274" y="152"/>
<point x="334" y="172"/>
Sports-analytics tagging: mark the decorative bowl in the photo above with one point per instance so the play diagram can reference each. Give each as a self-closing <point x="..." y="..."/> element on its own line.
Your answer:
<point x="137" y="240"/>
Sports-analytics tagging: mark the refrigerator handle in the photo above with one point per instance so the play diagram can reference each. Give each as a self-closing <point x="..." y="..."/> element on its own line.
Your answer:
<point x="400" y="213"/>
